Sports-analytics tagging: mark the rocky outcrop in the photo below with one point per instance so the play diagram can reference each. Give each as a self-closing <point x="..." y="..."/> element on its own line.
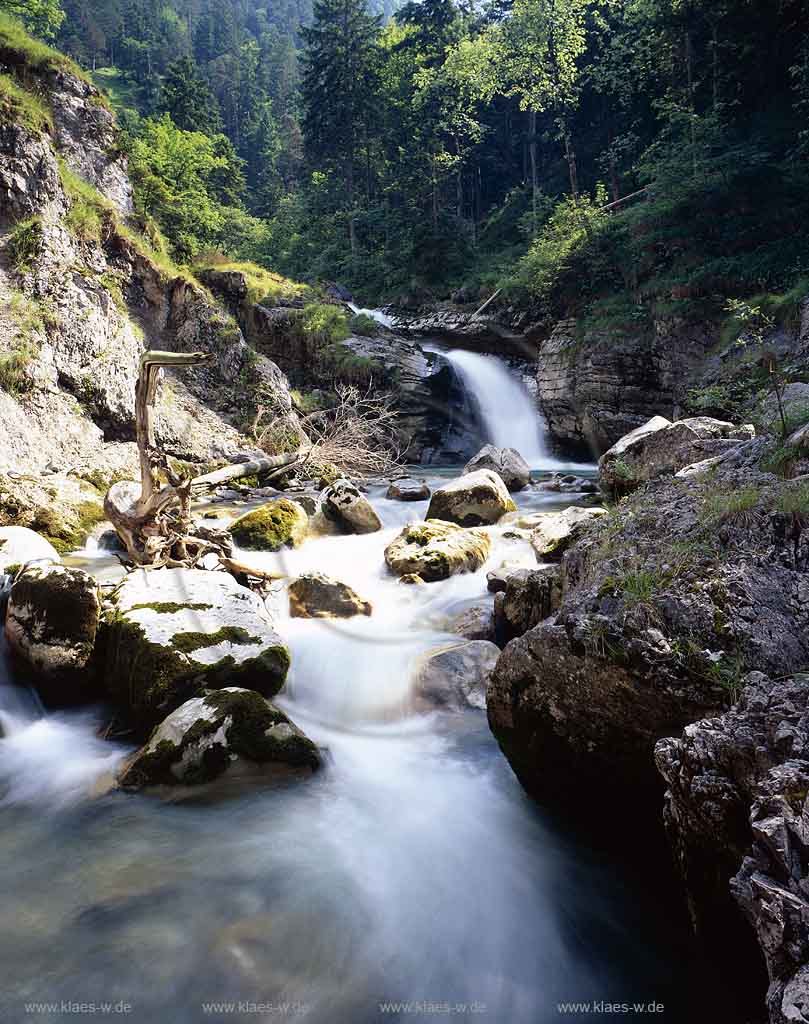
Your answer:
<point x="475" y="499"/>
<point x="527" y="597"/>
<point x="344" y="505"/>
<point x="736" y="813"/>
<point x="509" y="465"/>
<point x="408" y="489"/>
<point x="278" y="524"/>
<point x="229" y="735"/>
<point x="62" y="509"/>
<point x="51" y="622"/>
<point x="456" y="678"/>
<point x="174" y="632"/>
<point x="315" y="596"/>
<point x="435" y="550"/>
<point x="660" y="448"/>
<point x="596" y="389"/>
<point x="554" y="532"/>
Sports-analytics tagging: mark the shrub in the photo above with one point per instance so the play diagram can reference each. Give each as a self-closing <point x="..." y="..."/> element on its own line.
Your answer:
<point x="24" y="243"/>
<point x="363" y="325"/>
<point x="736" y="507"/>
<point x="324" y="323"/>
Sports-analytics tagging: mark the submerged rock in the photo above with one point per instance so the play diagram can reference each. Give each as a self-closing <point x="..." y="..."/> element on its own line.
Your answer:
<point x="475" y="623"/>
<point x="408" y="489"/>
<point x="475" y="499"/>
<point x="344" y="505"/>
<point x="52" y="618"/>
<point x="315" y="596"/>
<point x="176" y="631"/>
<point x="278" y="524"/>
<point x="457" y="677"/>
<point x="554" y="532"/>
<point x="231" y="732"/>
<point x="509" y="465"/>
<point x="436" y="550"/>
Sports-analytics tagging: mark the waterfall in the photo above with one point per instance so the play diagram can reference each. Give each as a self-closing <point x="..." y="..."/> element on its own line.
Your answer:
<point x="374" y="314"/>
<point x="509" y="417"/>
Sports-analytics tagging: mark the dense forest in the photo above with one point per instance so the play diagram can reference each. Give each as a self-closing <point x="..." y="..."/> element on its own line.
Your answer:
<point x="617" y="159"/>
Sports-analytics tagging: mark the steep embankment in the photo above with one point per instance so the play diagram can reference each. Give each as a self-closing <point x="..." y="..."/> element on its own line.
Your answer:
<point x="83" y="295"/>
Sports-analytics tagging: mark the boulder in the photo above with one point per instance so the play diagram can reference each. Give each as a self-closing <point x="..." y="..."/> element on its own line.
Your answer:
<point x="475" y="499"/>
<point x="278" y="524"/>
<point x="554" y="532"/>
<point x="661" y="448"/>
<point x="509" y="465"/>
<point x="408" y="489"/>
<point x="345" y="505"/>
<point x="315" y="596"/>
<point x="52" y="620"/>
<point x="174" y="632"/>
<point x="475" y="623"/>
<point x="63" y="509"/>
<point x="457" y="677"/>
<point x="529" y="596"/>
<point x="19" y="545"/>
<point x="230" y="732"/>
<point x="435" y="550"/>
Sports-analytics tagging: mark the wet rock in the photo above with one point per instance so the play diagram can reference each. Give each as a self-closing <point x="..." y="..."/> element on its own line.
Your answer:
<point x="475" y="623"/>
<point x="509" y="465"/>
<point x="411" y="578"/>
<point x="315" y="596"/>
<point x="554" y="532"/>
<point x="457" y="677"/>
<point x="345" y="505"/>
<point x="232" y="733"/>
<point x="408" y="489"/>
<point x="278" y="524"/>
<point x="435" y="550"/>
<point x="568" y="484"/>
<point x="176" y="631"/>
<point x="52" y="619"/>
<point x="529" y="596"/>
<point x="475" y="499"/>
<point x="660" y="448"/>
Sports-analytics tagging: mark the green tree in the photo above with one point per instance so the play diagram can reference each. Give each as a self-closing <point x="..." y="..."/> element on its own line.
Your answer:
<point x="187" y="97"/>
<point x="42" y="16"/>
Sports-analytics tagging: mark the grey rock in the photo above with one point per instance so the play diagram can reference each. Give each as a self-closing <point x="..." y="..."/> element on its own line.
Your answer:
<point x="407" y="489"/>
<point x="528" y="597"/>
<point x="435" y="550"/>
<point x="554" y="532"/>
<point x="457" y="677"/>
<point x="475" y="499"/>
<point x="349" y="509"/>
<point x="315" y="596"/>
<point x="509" y="465"/>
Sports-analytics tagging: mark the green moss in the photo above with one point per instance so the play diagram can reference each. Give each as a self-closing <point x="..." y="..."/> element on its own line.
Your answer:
<point x="89" y="211"/>
<point x="67" y="531"/>
<point x="112" y="282"/>
<point x="170" y="607"/>
<point x="190" y="642"/>
<point x="269" y="528"/>
<point x="263" y="287"/>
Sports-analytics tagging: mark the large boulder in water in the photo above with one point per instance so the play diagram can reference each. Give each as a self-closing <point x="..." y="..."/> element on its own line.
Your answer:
<point x="19" y="545"/>
<point x="276" y="525"/>
<point x="554" y="532"/>
<point x="51" y="622"/>
<point x="457" y="677"/>
<point x="231" y="733"/>
<point x="661" y="448"/>
<point x="175" y="632"/>
<point x="509" y="465"/>
<point x="315" y="596"/>
<point x="435" y="550"/>
<point x="475" y="499"/>
<point x="347" y="507"/>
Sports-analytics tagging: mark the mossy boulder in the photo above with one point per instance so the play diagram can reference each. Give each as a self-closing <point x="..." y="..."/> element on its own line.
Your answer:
<point x="475" y="499"/>
<point x="52" y="621"/>
<point x="554" y="532"/>
<point x="315" y="596"/>
<point x="436" y="550"/>
<point x="175" y="632"/>
<point x="231" y="733"/>
<point x="278" y="524"/>
<point x="347" y="507"/>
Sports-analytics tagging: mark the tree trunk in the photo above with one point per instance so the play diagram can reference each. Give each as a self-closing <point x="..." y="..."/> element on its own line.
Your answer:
<point x="532" y="152"/>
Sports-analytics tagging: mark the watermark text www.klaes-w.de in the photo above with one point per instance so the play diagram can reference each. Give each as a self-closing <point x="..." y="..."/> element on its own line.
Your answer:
<point x="604" y="1006"/>
<point x="80" y="1008"/>
<point x="263" y="1008"/>
<point x="438" y="1007"/>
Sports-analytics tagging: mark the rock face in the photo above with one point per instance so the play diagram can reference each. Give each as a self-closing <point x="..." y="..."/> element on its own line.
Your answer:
<point x="408" y="489"/>
<point x="475" y="499"/>
<point x="660" y="448"/>
<point x="177" y="631"/>
<point x="315" y="596"/>
<point x="62" y="509"/>
<point x="344" y="505"/>
<point x="736" y="813"/>
<point x="52" y="618"/>
<point x="457" y="677"/>
<point x="528" y="597"/>
<point x="436" y="550"/>
<point x="232" y="733"/>
<point x="507" y="463"/>
<point x="554" y="532"/>
<point x="278" y="524"/>
<point x="596" y="390"/>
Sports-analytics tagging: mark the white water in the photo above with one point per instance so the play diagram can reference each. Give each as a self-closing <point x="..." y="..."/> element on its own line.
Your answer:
<point x="375" y="314"/>
<point x="509" y="415"/>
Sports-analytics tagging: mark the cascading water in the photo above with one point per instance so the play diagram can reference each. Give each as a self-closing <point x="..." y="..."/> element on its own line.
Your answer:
<point x="374" y="314"/>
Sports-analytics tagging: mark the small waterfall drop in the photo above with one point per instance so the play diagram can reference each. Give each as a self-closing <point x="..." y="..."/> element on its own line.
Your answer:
<point x="374" y="314"/>
<point x="509" y="416"/>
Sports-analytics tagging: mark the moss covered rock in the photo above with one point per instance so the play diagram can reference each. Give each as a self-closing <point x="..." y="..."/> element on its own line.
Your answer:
<point x="278" y="524"/>
<point x="230" y="732"/>
<point x="315" y="596"/>
<point x="175" y="632"/>
<point x="62" y="509"/>
<point x="474" y="499"/>
<point x="435" y="550"/>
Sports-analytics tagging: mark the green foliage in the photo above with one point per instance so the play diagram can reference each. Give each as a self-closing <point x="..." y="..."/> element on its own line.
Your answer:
<point x="363" y="325"/>
<point x="738" y="508"/>
<point x="22" y="106"/>
<point x="793" y="500"/>
<point x="264" y="287"/>
<point x="24" y="243"/>
<point x="88" y="211"/>
<point x="41" y="16"/>
<point x="324" y="324"/>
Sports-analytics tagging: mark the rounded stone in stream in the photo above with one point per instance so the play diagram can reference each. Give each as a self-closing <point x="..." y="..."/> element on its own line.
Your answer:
<point x="278" y="524"/>
<point x="350" y="510"/>
<point x="19" y="545"/>
<point x="509" y="465"/>
<point x="434" y="550"/>
<point x="408" y="489"/>
<point x="174" y="632"/>
<point x="230" y="732"/>
<point x="475" y="499"/>
<point x="315" y="596"/>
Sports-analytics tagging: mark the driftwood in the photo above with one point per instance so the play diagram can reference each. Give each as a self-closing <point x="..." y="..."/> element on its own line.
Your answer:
<point x="153" y="518"/>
